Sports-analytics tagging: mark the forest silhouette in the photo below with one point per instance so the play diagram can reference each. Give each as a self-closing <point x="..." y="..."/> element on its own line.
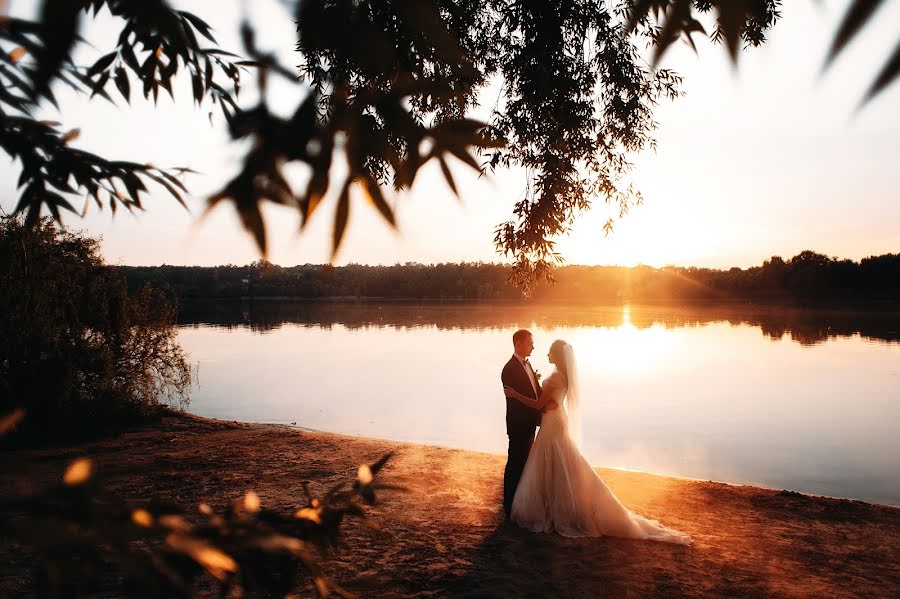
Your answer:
<point x="809" y="277"/>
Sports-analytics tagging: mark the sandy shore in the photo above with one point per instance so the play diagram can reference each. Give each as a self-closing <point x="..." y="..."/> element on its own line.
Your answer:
<point x="445" y="538"/>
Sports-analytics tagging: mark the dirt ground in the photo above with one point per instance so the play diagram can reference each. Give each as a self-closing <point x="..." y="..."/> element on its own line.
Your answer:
<point x="446" y="537"/>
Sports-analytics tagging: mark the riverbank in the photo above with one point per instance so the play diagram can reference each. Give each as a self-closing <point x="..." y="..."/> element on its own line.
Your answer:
<point x="445" y="537"/>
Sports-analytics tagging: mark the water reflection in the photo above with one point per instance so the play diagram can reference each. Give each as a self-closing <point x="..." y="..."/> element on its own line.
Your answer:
<point x="785" y="398"/>
<point x="806" y="326"/>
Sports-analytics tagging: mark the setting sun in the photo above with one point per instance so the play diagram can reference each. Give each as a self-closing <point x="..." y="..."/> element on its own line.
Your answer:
<point x="654" y="235"/>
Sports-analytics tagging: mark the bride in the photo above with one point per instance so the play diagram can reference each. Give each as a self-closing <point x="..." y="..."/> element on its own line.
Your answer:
<point x="559" y="490"/>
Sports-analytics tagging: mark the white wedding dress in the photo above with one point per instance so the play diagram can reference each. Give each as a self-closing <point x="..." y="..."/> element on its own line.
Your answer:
<point x="559" y="490"/>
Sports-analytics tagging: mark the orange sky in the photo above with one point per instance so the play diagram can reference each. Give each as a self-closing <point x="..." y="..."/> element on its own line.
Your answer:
<point x="769" y="159"/>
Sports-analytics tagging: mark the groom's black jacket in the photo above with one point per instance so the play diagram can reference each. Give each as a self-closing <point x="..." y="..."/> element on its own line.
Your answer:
<point x="520" y="419"/>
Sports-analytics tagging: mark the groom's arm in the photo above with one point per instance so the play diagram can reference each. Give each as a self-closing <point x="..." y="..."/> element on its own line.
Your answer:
<point x="535" y="404"/>
<point x="506" y="377"/>
<point x="509" y="378"/>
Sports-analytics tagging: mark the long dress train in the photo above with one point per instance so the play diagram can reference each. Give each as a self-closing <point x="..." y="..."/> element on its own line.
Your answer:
<point x="560" y="491"/>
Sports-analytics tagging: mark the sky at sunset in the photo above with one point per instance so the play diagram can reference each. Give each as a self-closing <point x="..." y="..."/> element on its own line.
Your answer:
<point x="768" y="159"/>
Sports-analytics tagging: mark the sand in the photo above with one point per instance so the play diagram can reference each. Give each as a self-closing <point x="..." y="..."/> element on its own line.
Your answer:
<point x="446" y="536"/>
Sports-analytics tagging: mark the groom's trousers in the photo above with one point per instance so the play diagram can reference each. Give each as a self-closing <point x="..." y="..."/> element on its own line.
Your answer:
<point x="519" y="446"/>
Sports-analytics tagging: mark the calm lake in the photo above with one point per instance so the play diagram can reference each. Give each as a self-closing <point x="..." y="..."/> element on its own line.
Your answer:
<point x="788" y="398"/>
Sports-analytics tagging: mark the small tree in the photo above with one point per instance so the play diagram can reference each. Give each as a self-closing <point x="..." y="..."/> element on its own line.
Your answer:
<point x="78" y="354"/>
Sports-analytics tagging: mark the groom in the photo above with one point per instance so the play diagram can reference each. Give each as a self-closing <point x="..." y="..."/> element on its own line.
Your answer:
<point x="521" y="420"/>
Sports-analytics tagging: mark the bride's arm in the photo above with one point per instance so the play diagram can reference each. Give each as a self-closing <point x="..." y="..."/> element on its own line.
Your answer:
<point x="537" y="404"/>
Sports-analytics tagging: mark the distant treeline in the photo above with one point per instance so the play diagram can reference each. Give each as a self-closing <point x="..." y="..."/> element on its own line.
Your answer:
<point x="808" y="275"/>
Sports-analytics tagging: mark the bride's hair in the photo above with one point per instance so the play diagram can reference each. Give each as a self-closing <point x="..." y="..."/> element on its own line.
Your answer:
<point x="564" y="356"/>
<point x="557" y="349"/>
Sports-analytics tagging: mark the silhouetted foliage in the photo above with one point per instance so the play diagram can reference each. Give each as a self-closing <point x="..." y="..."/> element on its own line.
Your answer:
<point x="155" y="42"/>
<point x="747" y="20"/>
<point x="86" y="540"/>
<point x="807" y="276"/>
<point x="392" y="85"/>
<point x="79" y="353"/>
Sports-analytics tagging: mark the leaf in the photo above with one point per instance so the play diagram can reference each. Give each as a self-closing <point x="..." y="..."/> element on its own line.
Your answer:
<point x="279" y="542"/>
<point x="214" y="560"/>
<point x="175" y="181"/>
<point x="226" y="112"/>
<point x="251" y="501"/>
<point x="857" y="15"/>
<point x="208" y="73"/>
<point x="70" y="135"/>
<point x="888" y="74"/>
<point x="680" y="11"/>
<point x="252" y="219"/>
<point x="364" y="475"/>
<point x="341" y="215"/>
<point x="78" y="472"/>
<point x="59" y="24"/>
<point x="17" y="54"/>
<point x="321" y="586"/>
<point x="130" y="59"/>
<point x="142" y="518"/>
<point x="732" y="18"/>
<point x="102" y="64"/>
<point x="638" y="11"/>
<point x="197" y="85"/>
<point x="9" y="421"/>
<point x="448" y="175"/>
<point x="318" y="184"/>
<point x="121" y="80"/>
<point x="170" y="188"/>
<point x="148" y="86"/>
<point x="199" y="24"/>
<point x="693" y="26"/>
<point x="465" y="157"/>
<point x="308" y="513"/>
<point x="100" y="84"/>
<point x="15" y="80"/>
<point x="166" y="84"/>
<point x="54" y="202"/>
<point x="33" y="215"/>
<point x="90" y="84"/>
<point x="377" y="466"/>
<point x="374" y="195"/>
<point x="217" y="52"/>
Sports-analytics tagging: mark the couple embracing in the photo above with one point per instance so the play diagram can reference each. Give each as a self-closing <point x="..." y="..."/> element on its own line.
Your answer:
<point x="548" y="485"/>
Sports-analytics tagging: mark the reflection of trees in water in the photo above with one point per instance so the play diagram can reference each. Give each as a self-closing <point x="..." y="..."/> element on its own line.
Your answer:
<point x="807" y="326"/>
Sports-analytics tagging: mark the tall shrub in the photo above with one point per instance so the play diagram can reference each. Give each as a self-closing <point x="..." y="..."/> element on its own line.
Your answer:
<point x="78" y="353"/>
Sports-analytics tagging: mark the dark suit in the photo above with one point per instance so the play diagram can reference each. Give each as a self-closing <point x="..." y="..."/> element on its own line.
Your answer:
<point x="520" y="424"/>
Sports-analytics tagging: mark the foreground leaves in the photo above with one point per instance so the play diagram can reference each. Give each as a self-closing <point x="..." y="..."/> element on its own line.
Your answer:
<point x="80" y="352"/>
<point x="78" y="529"/>
<point x="153" y="46"/>
<point x="746" y="21"/>
<point x="392" y="86"/>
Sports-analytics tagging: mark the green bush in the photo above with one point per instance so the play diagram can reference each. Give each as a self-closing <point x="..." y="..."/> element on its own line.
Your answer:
<point x="79" y="354"/>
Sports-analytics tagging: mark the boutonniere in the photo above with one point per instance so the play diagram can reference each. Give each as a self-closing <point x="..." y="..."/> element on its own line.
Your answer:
<point x="537" y="375"/>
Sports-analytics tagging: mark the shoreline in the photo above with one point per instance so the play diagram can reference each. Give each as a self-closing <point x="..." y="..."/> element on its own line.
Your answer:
<point x="446" y="537"/>
<point x="752" y="485"/>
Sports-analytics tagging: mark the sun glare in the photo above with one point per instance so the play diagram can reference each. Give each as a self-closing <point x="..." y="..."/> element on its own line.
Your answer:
<point x="645" y="236"/>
